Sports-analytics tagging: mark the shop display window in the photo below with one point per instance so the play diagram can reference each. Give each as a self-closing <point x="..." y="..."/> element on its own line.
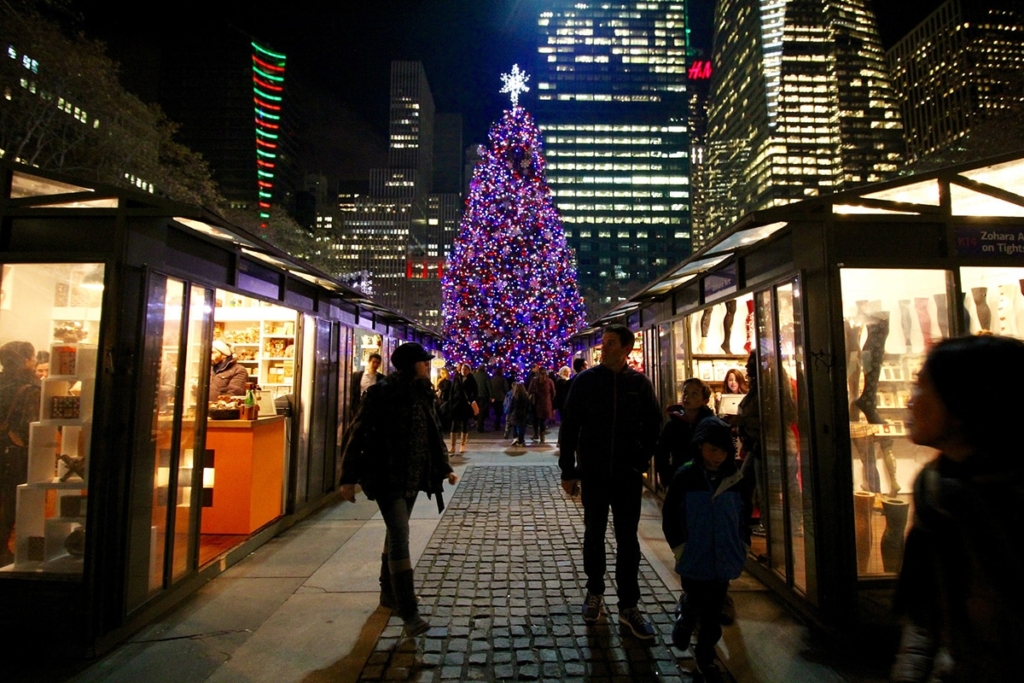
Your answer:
<point x="994" y="300"/>
<point x="49" y="332"/>
<point x="892" y="318"/>
<point x="721" y="337"/>
<point x="262" y="336"/>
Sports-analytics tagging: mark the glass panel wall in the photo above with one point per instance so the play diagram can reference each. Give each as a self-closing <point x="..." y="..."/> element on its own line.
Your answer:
<point x="773" y="489"/>
<point x="151" y="479"/>
<point x="49" y="332"/>
<point x="892" y="317"/>
<point x="796" y="429"/>
<point x="190" y="477"/>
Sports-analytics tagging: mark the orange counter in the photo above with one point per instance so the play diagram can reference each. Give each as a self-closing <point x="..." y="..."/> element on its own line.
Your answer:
<point x="248" y="471"/>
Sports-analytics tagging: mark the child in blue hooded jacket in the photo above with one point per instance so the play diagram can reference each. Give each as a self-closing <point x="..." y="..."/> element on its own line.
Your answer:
<point x="704" y="520"/>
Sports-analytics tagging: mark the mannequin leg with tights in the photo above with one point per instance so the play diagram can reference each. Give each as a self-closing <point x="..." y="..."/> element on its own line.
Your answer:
<point x="980" y="296"/>
<point x="924" y="318"/>
<point x="942" y="314"/>
<point x="866" y="450"/>
<point x="871" y="359"/>
<point x="889" y="460"/>
<point x="705" y="327"/>
<point x="749" y="345"/>
<point x="906" y="321"/>
<point x="853" y="363"/>
<point x="730" y="315"/>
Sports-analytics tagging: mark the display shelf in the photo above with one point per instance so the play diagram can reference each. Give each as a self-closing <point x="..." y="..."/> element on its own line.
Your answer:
<point x="51" y="512"/>
<point x="263" y="330"/>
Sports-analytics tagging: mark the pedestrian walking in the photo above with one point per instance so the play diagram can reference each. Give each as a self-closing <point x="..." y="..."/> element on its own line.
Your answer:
<point x="461" y="403"/>
<point x="610" y="426"/>
<point x="542" y="395"/>
<point x="483" y="397"/>
<point x="704" y="520"/>
<point x="395" y="450"/>
<point x="959" y="591"/>
<point x="518" y="412"/>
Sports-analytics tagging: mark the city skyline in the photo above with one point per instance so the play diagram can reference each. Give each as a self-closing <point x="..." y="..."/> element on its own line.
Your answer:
<point x="345" y="56"/>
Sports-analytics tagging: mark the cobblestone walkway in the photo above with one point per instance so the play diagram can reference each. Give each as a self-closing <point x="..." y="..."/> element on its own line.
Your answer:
<point x="502" y="581"/>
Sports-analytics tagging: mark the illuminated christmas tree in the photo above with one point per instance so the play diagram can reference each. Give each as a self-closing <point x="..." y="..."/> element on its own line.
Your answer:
<point x="509" y="290"/>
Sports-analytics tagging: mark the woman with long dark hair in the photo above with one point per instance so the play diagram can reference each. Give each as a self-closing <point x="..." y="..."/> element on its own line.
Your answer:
<point x="395" y="449"/>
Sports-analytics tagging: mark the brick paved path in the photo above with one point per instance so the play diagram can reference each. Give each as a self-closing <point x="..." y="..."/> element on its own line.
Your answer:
<point x="502" y="581"/>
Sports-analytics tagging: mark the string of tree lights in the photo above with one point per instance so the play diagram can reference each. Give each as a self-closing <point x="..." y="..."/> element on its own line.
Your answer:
<point x="510" y="297"/>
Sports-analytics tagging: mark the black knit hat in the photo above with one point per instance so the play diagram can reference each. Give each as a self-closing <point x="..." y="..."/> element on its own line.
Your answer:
<point x="716" y="432"/>
<point x="407" y="355"/>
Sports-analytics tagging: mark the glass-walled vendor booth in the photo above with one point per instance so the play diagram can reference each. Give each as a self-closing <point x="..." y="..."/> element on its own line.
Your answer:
<point x="174" y="393"/>
<point x="810" y="323"/>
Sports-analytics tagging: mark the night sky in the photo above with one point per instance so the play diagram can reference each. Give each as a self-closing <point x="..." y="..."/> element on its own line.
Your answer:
<point x="343" y="51"/>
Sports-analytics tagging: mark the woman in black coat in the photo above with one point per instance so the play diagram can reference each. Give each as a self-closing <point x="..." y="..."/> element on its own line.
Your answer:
<point x="463" y="397"/>
<point x="395" y="449"/>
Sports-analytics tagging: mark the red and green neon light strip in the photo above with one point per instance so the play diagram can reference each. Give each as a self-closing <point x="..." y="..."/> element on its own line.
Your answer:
<point x="268" y="93"/>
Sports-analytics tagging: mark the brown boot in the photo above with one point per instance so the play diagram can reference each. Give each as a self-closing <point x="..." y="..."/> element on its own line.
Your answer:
<point x="387" y="595"/>
<point x="405" y="593"/>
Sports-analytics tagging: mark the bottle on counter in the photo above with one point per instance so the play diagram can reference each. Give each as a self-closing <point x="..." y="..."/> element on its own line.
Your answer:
<point x="251" y="409"/>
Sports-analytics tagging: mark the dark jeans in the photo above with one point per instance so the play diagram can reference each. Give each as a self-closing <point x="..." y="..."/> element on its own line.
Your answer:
<point x="396" y="512"/>
<point x="702" y="605"/>
<point x="622" y="496"/>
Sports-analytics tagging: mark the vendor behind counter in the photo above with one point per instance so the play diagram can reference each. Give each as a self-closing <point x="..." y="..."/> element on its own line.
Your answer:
<point x="227" y="377"/>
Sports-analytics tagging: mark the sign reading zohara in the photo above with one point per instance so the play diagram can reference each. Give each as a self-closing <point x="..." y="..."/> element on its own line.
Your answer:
<point x="990" y="242"/>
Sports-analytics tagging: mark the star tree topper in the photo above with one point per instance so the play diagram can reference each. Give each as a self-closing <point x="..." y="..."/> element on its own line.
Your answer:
<point x="515" y="83"/>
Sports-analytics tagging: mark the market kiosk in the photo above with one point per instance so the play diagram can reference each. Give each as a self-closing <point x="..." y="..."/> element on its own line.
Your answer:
<point x="131" y="498"/>
<point x="840" y="298"/>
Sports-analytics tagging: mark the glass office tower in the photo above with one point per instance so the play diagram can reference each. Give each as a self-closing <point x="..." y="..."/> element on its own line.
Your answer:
<point x="611" y="102"/>
<point x="959" y="67"/>
<point x="801" y="104"/>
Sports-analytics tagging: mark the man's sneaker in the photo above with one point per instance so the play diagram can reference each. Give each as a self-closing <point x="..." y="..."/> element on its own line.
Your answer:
<point x="415" y="626"/>
<point x="592" y="607"/>
<point x="709" y="673"/>
<point x="637" y="623"/>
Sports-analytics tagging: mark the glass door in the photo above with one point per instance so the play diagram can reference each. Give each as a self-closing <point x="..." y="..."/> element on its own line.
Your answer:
<point x="783" y="479"/>
<point x="167" y="476"/>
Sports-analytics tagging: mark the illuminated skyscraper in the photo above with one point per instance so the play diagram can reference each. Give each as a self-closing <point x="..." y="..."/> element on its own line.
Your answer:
<point x="801" y="104"/>
<point x="399" y="232"/>
<point x="960" y="66"/>
<point x="610" y="93"/>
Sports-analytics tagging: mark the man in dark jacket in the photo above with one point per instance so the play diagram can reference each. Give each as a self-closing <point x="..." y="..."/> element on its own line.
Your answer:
<point x="363" y="380"/>
<point x="611" y="423"/>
